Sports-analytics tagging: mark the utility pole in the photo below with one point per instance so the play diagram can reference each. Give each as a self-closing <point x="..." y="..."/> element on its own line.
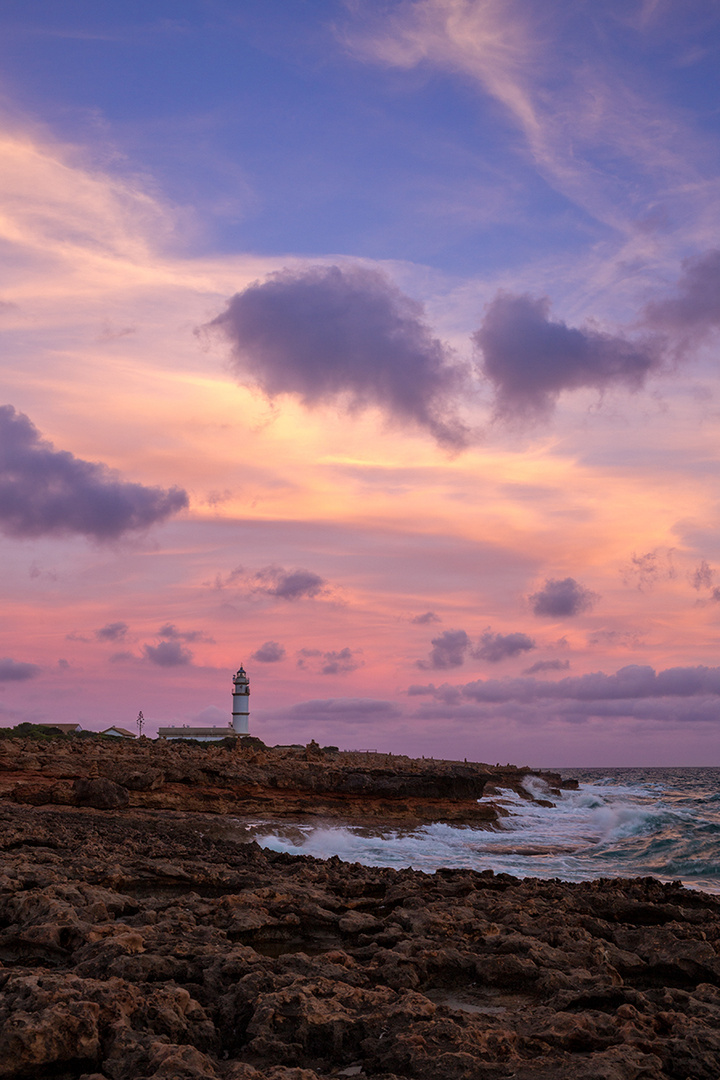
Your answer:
<point x="140" y="722"/>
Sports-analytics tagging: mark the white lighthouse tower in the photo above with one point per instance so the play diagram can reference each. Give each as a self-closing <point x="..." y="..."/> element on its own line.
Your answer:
<point x="241" y="703"/>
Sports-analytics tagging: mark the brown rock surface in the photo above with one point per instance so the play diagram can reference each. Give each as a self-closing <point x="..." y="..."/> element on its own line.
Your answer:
<point x="144" y="943"/>
<point x="246" y="778"/>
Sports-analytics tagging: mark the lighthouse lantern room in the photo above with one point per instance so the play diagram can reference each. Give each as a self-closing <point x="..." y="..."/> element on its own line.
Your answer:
<point x="241" y="703"/>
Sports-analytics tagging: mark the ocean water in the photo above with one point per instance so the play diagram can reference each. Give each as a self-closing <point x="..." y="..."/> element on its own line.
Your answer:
<point x="619" y="823"/>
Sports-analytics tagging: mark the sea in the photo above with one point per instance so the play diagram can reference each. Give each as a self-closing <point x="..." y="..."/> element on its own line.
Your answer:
<point x="663" y="822"/>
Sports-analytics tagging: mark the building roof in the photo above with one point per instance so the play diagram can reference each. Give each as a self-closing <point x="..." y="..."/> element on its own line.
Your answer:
<point x="186" y="732"/>
<point x="60" y="727"/>
<point x="118" y="731"/>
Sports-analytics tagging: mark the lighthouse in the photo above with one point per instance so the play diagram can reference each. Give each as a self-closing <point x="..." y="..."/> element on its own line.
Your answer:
<point x="241" y="703"/>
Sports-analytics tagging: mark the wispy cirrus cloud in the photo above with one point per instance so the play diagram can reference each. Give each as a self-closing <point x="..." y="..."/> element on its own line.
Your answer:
<point x="644" y="570"/>
<point x="611" y="148"/>
<point x="55" y="204"/>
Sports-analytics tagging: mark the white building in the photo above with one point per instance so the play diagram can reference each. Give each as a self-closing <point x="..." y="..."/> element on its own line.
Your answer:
<point x="241" y="703"/>
<point x="239" y="725"/>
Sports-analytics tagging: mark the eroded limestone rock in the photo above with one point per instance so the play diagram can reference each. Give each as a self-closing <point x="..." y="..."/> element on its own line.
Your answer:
<point x="138" y="944"/>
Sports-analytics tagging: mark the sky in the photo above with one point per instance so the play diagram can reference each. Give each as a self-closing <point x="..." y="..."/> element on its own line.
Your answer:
<point x="372" y="345"/>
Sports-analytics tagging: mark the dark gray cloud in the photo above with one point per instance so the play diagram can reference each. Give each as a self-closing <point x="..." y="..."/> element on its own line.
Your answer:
<point x="694" y="311"/>
<point x="171" y="633"/>
<point x="547" y="665"/>
<point x="497" y="647"/>
<point x="168" y="654"/>
<point x="531" y="360"/>
<point x="114" y="631"/>
<point x="448" y="651"/>
<point x="427" y="617"/>
<point x="47" y="492"/>
<point x="340" y="662"/>
<point x="562" y="598"/>
<point x="269" y="653"/>
<point x="17" y="670"/>
<point x="345" y="335"/>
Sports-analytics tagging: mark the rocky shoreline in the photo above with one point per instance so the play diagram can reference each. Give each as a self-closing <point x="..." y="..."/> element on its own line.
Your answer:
<point x="142" y="942"/>
<point x="246" y="778"/>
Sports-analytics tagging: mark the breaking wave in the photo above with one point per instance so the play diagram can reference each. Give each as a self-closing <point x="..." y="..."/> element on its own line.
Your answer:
<point x="620" y="823"/>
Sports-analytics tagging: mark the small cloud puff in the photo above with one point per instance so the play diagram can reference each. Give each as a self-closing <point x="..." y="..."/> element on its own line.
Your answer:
<point x="340" y="662"/>
<point x="427" y="617"/>
<point x="269" y="653"/>
<point x="114" y="631"/>
<point x="560" y="599"/>
<point x="276" y="581"/>
<point x="171" y="633"/>
<point x="496" y="647"/>
<point x="168" y="654"/>
<point x="448" y="651"/>
<point x="331" y="662"/>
